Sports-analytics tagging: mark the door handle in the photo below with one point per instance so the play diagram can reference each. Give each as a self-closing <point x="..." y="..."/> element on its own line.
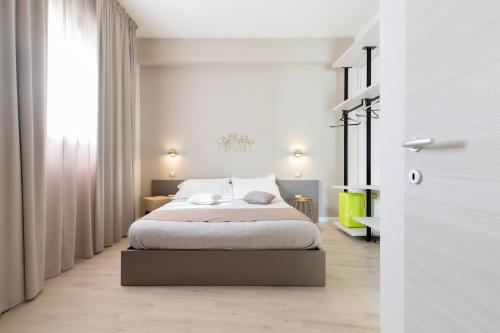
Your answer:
<point x="415" y="144"/>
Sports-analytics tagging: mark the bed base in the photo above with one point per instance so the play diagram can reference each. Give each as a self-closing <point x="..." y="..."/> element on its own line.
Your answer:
<point x="304" y="268"/>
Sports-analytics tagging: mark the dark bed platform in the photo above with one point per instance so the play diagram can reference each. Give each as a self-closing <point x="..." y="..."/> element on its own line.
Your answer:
<point x="223" y="267"/>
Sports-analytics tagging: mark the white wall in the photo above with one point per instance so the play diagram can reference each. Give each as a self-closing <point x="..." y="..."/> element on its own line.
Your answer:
<point x="392" y="75"/>
<point x="280" y="97"/>
<point x="357" y="134"/>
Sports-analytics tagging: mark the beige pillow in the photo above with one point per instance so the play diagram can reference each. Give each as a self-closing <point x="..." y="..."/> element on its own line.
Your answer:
<point x="259" y="197"/>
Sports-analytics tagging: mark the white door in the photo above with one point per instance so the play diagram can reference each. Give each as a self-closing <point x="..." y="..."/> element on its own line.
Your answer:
<point x="452" y="218"/>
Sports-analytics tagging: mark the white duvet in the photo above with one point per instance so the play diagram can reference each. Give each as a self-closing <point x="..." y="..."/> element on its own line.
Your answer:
<point x="258" y="235"/>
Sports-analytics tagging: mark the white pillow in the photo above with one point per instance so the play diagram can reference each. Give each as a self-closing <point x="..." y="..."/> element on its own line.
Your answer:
<point x="220" y="186"/>
<point x="243" y="186"/>
<point x="204" y="199"/>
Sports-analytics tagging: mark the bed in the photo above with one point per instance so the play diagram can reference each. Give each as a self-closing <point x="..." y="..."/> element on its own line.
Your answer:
<point x="178" y="245"/>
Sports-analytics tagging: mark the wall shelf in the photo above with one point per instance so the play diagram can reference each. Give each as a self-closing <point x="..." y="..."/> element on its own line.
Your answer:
<point x="369" y="92"/>
<point x="354" y="232"/>
<point x="372" y="222"/>
<point x="365" y="46"/>
<point x="354" y="56"/>
<point x="357" y="187"/>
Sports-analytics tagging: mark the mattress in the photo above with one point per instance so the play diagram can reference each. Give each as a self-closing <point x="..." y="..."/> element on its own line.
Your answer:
<point x="256" y="235"/>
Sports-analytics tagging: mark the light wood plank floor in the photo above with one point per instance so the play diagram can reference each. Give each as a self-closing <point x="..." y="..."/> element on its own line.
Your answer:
<point x="89" y="298"/>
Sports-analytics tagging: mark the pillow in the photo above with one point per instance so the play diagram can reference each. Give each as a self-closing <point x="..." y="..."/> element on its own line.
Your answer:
<point x="242" y="186"/>
<point x="203" y="199"/>
<point x="220" y="186"/>
<point x="259" y="197"/>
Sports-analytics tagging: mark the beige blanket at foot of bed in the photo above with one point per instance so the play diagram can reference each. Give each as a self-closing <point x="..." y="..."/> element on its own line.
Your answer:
<point x="227" y="215"/>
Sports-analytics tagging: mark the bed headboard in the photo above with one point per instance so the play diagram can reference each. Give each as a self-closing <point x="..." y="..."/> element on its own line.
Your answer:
<point x="288" y="188"/>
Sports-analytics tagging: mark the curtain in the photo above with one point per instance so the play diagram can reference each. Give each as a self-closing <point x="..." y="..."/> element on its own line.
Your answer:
<point x="116" y="124"/>
<point x="71" y="133"/>
<point x="67" y="137"/>
<point x="23" y="41"/>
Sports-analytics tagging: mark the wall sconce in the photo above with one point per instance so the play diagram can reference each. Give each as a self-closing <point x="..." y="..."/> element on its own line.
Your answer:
<point x="298" y="153"/>
<point x="172" y="153"/>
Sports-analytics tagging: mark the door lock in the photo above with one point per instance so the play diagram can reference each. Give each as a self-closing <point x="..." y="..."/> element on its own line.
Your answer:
<point x="415" y="176"/>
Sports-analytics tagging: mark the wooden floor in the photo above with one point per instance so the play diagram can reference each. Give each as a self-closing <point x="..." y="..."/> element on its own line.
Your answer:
<point x="89" y="298"/>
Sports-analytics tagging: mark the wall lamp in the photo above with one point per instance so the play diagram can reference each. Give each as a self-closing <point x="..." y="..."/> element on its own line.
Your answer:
<point x="172" y="153"/>
<point x="298" y="153"/>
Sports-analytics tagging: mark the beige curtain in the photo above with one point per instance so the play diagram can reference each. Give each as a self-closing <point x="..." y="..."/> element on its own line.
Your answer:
<point x="116" y="124"/>
<point x="81" y="197"/>
<point x="71" y="132"/>
<point x="23" y="47"/>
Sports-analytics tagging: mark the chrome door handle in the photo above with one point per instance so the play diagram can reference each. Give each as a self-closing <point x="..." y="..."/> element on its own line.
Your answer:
<point x="415" y="144"/>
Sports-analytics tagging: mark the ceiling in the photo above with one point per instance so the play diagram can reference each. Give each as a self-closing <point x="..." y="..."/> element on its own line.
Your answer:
<point x="250" y="18"/>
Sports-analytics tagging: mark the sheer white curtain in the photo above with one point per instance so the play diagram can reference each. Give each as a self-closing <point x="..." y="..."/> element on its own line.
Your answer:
<point x="71" y="133"/>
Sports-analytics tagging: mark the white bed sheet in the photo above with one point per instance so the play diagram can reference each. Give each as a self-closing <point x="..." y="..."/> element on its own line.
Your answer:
<point x="258" y="235"/>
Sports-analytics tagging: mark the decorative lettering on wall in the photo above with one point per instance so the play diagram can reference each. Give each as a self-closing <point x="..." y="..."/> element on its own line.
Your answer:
<point x="235" y="142"/>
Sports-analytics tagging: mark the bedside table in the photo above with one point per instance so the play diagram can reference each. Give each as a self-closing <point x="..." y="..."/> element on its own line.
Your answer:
<point x="152" y="203"/>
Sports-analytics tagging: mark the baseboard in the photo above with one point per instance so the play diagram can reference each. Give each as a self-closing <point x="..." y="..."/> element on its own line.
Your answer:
<point x="327" y="219"/>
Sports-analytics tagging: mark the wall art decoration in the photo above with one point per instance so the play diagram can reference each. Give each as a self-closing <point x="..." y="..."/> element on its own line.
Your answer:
<point x="235" y="142"/>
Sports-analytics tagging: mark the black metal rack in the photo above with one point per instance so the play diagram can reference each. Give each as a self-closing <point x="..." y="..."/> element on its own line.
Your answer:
<point x="345" y="117"/>
<point x="367" y="102"/>
<point x="368" y="140"/>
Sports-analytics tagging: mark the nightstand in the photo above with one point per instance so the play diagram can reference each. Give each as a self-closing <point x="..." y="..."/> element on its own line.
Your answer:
<point x="152" y="203"/>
